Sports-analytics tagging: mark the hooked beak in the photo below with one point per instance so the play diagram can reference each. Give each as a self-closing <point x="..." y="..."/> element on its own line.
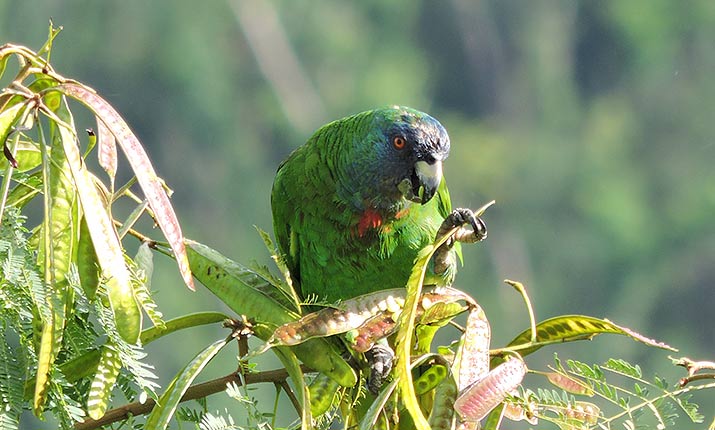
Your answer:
<point x="424" y="181"/>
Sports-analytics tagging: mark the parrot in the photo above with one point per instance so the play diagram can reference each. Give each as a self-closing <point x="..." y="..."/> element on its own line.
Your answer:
<point x="354" y="205"/>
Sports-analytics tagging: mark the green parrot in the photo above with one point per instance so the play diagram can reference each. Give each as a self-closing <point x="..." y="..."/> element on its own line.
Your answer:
<point x="355" y="204"/>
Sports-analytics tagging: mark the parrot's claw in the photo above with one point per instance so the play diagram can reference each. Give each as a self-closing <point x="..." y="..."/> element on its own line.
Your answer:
<point x="471" y="227"/>
<point x="379" y="358"/>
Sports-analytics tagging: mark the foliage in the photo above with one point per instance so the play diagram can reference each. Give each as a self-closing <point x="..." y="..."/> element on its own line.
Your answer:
<point x="73" y="301"/>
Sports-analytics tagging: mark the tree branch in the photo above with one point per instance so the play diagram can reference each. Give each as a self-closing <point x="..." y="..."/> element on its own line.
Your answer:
<point x="277" y="376"/>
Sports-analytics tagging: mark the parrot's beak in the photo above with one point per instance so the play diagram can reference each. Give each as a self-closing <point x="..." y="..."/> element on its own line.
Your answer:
<point x="428" y="176"/>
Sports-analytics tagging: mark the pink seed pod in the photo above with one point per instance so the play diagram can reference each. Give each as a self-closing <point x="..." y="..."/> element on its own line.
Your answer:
<point x="477" y="400"/>
<point x="474" y="363"/>
<point x="374" y="329"/>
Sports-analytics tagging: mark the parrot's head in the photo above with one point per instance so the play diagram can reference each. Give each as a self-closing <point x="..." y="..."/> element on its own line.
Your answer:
<point x="408" y="148"/>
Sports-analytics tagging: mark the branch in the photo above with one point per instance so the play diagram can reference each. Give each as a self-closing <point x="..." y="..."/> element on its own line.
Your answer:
<point x="277" y="376"/>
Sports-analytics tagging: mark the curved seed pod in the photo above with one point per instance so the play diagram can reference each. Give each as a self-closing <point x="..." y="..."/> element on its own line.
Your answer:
<point x="351" y="315"/>
<point x="473" y="361"/>
<point x="477" y="400"/>
<point x="442" y="414"/>
<point x="322" y="394"/>
<point x="374" y="329"/>
<point x="430" y="379"/>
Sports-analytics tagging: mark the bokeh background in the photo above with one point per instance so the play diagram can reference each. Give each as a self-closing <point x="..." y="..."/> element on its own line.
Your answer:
<point x="591" y="123"/>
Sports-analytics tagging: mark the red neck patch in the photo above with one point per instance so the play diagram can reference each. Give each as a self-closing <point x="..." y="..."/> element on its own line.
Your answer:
<point x="370" y="219"/>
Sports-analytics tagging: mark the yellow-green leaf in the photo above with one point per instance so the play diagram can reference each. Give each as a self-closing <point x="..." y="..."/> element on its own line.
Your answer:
<point x="568" y="328"/>
<point x="166" y="406"/>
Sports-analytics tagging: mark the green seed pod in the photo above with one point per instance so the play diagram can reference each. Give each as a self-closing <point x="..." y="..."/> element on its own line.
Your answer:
<point x="322" y="394"/>
<point x="442" y="415"/>
<point x="430" y="379"/>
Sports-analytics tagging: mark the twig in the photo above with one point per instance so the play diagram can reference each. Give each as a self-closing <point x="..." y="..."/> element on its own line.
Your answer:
<point x="692" y="378"/>
<point x="278" y="376"/>
<point x="291" y="395"/>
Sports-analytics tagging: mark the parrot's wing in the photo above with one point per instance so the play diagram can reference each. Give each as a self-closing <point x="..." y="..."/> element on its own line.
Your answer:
<point x="286" y="236"/>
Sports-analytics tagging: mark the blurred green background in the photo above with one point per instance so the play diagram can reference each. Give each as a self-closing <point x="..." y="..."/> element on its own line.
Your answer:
<point x="592" y="124"/>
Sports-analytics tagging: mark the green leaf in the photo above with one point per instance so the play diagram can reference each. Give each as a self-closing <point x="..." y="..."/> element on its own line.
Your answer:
<point x="246" y="293"/>
<point x="9" y="116"/>
<point x="166" y="406"/>
<point x="292" y="366"/>
<point x="569" y="328"/>
<point x="242" y="289"/>
<point x="26" y="189"/>
<point x="27" y="155"/>
<point x="58" y="240"/>
<point x="323" y="392"/>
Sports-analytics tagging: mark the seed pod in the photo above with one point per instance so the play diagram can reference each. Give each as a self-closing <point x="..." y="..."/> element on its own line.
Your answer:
<point x="570" y="384"/>
<point x="477" y="400"/>
<point x="322" y="394"/>
<point x="374" y="329"/>
<point x="351" y="315"/>
<point x="474" y="361"/>
<point x="442" y="414"/>
<point x="430" y="379"/>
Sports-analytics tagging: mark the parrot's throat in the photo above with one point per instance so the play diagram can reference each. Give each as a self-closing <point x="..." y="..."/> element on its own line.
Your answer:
<point x="370" y="219"/>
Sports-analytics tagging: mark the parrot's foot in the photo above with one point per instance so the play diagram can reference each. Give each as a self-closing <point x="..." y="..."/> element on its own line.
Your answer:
<point x="471" y="229"/>
<point x="379" y="358"/>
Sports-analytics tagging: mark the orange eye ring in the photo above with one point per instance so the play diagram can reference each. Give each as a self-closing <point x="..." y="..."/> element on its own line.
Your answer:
<point x="399" y="142"/>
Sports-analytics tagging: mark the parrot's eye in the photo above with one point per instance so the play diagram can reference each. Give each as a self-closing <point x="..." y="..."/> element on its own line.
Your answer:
<point x="399" y="142"/>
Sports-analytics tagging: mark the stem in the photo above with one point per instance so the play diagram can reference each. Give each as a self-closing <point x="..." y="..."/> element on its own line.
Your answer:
<point x="522" y="290"/>
<point x="277" y="376"/>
